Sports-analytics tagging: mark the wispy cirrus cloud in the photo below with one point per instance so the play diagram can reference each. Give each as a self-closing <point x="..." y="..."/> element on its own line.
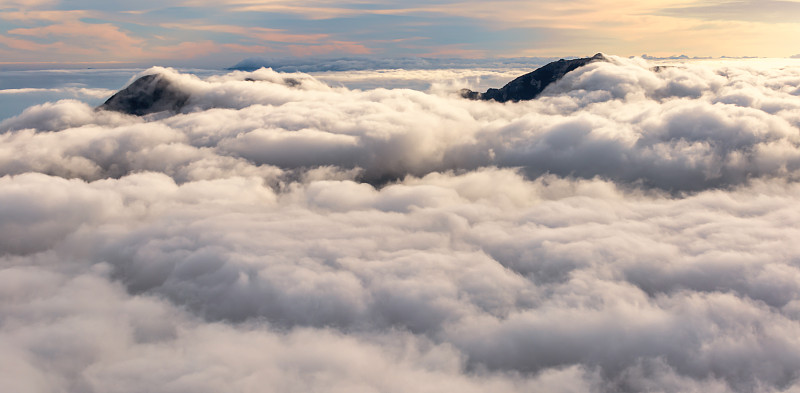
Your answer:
<point x="77" y="40"/>
<point x="770" y="11"/>
<point x="101" y="36"/>
<point x="144" y="31"/>
<point x="26" y="3"/>
<point x="261" y="33"/>
<point x="46" y="34"/>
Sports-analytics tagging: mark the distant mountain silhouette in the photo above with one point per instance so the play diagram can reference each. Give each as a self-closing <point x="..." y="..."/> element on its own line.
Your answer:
<point x="148" y="94"/>
<point x="530" y="85"/>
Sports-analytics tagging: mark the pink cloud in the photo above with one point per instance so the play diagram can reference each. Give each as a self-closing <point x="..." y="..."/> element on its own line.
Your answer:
<point x="335" y="47"/>
<point x="50" y="16"/>
<point x="262" y="33"/>
<point x="455" y="51"/>
<point x="105" y="32"/>
<point x="248" y="48"/>
<point x="305" y="44"/>
<point x="184" y="50"/>
<point x="73" y="37"/>
<point x="188" y="50"/>
<point x="285" y="37"/>
<point x="16" y="43"/>
<point x="55" y="47"/>
<point x="25" y="3"/>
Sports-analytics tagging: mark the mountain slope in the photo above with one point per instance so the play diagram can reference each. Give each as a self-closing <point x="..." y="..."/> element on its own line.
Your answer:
<point x="530" y="85"/>
<point x="148" y="94"/>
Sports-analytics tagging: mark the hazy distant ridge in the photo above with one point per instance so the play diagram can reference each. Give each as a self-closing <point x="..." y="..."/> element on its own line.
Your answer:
<point x="365" y="63"/>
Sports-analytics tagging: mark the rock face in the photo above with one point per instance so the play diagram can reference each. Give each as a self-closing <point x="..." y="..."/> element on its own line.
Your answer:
<point x="530" y="85"/>
<point x="148" y="94"/>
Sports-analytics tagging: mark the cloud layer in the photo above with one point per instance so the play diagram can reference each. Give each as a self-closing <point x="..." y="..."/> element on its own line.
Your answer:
<point x="678" y="128"/>
<point x="631" y="230"/>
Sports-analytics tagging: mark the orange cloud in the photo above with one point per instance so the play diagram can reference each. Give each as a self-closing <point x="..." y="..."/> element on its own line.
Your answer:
<point x="625" y="27"/>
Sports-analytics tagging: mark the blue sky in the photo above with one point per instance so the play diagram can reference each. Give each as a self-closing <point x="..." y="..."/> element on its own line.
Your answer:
<point x="220" y="33"/>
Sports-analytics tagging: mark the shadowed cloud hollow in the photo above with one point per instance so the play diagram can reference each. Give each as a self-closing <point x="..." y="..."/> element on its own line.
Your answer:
<point x="626" y="231"/>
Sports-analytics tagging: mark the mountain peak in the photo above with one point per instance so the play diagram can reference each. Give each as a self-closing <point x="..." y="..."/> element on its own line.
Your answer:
<point x="530" y="85"/>
<point x="149" y="94"/>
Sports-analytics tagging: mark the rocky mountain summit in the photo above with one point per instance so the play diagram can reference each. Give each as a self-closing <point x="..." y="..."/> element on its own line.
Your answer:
<point x="530" y="85"/>
<point x="148" y="94"/>
<point x="161" y="92"/>
<point x="155" y="93"/>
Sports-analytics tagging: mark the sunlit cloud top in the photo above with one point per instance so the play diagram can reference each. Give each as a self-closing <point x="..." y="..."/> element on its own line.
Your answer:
<point x="221" y="32"/>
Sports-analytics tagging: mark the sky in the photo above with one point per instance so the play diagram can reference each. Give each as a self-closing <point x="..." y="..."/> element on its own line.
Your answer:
<point x="219" y="33"/>
<point x="354" y="224"/>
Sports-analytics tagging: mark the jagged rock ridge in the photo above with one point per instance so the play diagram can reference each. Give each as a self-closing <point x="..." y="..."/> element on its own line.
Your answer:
<point x="530" y="85"/>
<point x="148" y="94"/>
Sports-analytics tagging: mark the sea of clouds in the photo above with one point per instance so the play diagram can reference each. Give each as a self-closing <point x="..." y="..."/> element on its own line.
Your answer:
<point x="633" y="229"/>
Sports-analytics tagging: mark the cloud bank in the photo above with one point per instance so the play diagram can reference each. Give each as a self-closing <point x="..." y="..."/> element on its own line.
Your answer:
<point x="631" y="230"/>
<point x="679" y="128"/>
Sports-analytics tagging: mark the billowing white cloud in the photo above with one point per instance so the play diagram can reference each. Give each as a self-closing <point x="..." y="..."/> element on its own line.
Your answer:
<point x="630" y="230"/>
<point x="682" y="128"/>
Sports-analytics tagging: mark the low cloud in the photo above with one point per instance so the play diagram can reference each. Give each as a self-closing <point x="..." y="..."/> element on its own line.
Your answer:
<point x="630" y="230"/>
<point x="684" y="128"/>
<point x="77" y="91"/>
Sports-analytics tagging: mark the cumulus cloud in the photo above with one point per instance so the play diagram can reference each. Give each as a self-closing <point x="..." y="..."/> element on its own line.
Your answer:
<point x="630" y="230"/>
<point x="91" y="335"/>
<point x="682" y="128"/>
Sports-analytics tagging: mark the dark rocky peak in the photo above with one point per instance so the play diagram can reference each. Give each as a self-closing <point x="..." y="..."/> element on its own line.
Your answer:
<point x="156" y="93"/>
<point x="530" y="85"/>
<point x="291" y="82"/>
<point x="149" y="94"/>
